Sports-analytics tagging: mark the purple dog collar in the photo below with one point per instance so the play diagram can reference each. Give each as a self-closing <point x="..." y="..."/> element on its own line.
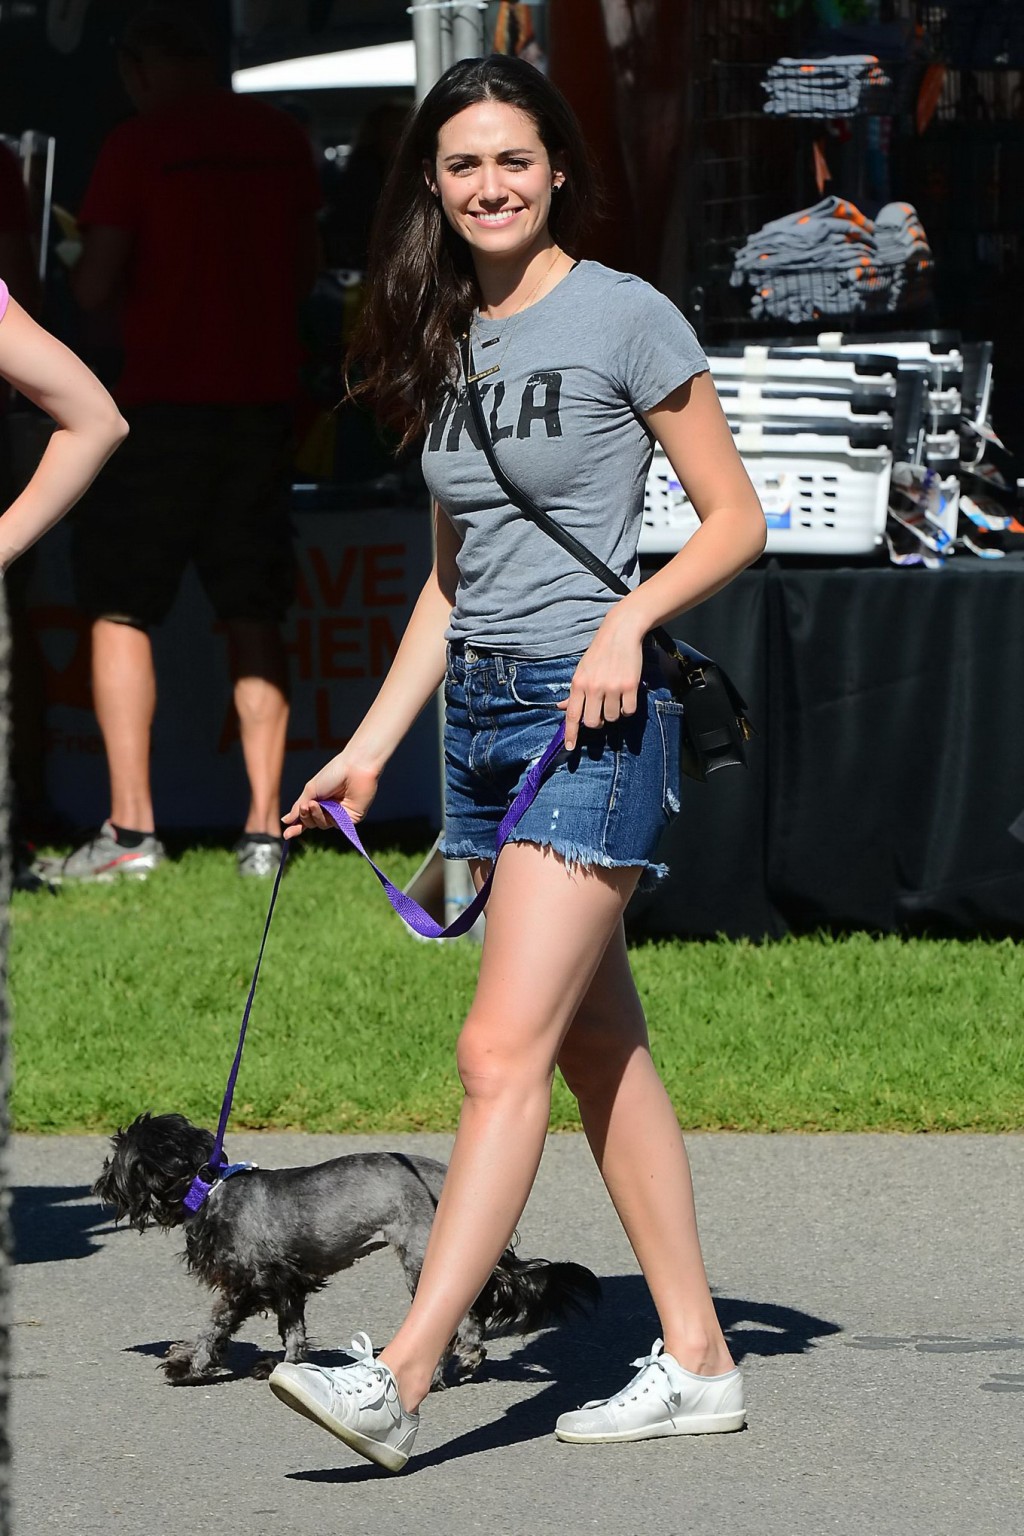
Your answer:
<point x="201" y="1191"/>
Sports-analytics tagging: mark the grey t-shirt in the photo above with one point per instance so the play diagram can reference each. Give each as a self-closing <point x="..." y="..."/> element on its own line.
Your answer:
<point x="576" y="370"/>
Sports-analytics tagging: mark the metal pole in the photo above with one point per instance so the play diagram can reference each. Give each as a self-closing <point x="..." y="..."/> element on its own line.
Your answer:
<point x="441" y="36"/>
<point x="447" y="45"/>
<point x="426" y="35"/>
<point x="468" y="27"/>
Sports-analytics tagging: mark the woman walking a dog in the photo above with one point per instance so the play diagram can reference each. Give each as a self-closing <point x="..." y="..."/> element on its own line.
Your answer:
<point x="579" y="368"/>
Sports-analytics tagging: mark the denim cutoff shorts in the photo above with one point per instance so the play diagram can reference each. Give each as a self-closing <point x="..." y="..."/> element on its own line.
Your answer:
<point x="606" y="803"/>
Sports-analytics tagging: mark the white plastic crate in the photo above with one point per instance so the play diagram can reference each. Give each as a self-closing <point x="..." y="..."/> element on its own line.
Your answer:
<point x="942" y="451"/>
<point x="943" y="368"/>
<point x="878" y="394"/>
<point x="755" y="366"/>
<point x="820" y="497"/>
<point x="752" y="405"/>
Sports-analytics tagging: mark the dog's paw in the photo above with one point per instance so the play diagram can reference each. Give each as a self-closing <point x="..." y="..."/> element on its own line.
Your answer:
<point x="263" y="1366"/>
<point x="461" y="1365"/>
<point x="178" y="1365"/>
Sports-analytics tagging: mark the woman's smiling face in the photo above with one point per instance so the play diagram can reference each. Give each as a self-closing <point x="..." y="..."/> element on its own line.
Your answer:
<point x="494" y="178"/>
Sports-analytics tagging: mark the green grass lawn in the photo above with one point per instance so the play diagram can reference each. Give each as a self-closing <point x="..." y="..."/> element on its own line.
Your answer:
<point x="129" y="997"/>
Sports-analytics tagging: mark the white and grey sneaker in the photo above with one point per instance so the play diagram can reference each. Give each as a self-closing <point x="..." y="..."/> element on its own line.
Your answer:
<point x="258" y="854"/>
<point x="103" y="859"/>
<point x="359" y="1403"/>
<point x="662" y="1399"/>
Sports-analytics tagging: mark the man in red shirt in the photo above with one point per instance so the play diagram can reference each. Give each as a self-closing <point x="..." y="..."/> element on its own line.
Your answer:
<point x="200" y="220"/>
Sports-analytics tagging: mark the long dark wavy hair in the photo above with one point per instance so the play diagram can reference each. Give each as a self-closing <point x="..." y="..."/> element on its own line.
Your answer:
<point x="421" y="283"/>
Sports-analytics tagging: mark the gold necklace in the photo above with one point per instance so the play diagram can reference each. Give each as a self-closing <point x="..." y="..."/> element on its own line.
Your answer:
<point x="485" y="373"/>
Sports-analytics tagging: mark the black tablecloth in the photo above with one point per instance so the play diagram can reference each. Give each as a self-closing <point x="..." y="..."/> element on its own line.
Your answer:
<point x="886" y="788"/>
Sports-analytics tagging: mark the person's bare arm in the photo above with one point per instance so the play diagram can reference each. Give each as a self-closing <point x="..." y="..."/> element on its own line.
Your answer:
<point x="98" y="274"/>
<point x="89" y="428"/>
<point x="20" y="269"/>
<point x="691" y="427"/>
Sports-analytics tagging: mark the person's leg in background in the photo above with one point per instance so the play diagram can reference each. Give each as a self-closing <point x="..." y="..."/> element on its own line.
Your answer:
<point x="130" y="546"/>
<point x="124" y="698"/>
<point x="246" y="563"/>
<point x="259" y="673"/>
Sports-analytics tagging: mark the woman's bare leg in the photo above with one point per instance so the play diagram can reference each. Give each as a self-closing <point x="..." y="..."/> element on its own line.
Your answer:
<point x="547" y="928"/>
<point x="635" y="1138"/>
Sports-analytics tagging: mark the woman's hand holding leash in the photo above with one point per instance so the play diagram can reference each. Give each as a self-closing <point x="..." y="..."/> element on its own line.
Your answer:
<point x="353" y="786"/>
<point x="606" y="683"/>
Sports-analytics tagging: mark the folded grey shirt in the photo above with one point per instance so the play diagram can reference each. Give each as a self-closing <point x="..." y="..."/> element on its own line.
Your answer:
<point x="576" y="372"/>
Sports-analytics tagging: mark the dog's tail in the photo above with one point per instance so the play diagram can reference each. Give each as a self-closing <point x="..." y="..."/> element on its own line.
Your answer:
<point x="526" y="1294"/>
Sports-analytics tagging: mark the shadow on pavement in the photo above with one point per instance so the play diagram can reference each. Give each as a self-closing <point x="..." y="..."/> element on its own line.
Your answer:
<point x="591" y="1358"/>
<point x="50" y="1224"/>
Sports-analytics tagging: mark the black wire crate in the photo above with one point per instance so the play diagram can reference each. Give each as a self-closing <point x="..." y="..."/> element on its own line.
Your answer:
<point x="820" y="89"/>
<point x="973" y="34"/>
<point x="799" y="295"/>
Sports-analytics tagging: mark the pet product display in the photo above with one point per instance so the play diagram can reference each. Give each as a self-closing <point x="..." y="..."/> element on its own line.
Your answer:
<point x="838" y="85"/>
<point x="831" y="259"/>
<point x="855" y="440"/>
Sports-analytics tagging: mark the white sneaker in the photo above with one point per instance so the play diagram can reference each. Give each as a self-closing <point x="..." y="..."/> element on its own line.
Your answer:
<point x="662" y="1399"/>
<point x="359" y="1403"/>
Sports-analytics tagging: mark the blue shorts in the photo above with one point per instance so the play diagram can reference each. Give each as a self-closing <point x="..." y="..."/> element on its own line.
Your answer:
<point x="606" y="803"/>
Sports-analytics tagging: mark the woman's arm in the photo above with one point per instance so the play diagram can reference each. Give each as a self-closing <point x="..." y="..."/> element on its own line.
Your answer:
<point x="89" y="428"/>
<point x="413" y="678"/>
<point x="691" y="427"/>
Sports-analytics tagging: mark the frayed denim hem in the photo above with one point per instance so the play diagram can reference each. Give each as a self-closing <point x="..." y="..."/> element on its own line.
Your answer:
<point x="464" y="850"/>
<point x="651" y="877"/>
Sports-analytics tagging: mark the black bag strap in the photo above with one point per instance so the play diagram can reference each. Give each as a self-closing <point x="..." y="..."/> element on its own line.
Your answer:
<point x="518" y="497"/>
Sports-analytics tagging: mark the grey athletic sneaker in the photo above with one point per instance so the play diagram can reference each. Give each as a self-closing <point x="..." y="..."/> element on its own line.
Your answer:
<point x="258" y="854"/>
<point x="662" y="1399"/>
<point x="103" y="859"/>
<point x="359" y="1403"/>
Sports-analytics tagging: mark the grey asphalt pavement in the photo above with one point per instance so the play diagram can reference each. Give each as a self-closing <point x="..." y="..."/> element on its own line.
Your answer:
<point x="871" y="1286"/>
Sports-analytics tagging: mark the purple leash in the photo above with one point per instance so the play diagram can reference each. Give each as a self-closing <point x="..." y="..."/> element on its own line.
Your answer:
<point x="408" y="910"/>
<point x="217" y="1162"/>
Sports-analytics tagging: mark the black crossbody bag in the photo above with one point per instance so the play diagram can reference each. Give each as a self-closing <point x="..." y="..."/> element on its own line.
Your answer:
<point x="715" y="724"/>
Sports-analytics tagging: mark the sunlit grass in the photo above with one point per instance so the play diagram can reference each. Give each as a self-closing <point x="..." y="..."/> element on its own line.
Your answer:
<point x="129" y="997"/>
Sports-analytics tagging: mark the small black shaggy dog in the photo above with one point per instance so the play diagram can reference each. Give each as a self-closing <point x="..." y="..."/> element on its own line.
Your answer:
<point x="265" y="1239"/>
